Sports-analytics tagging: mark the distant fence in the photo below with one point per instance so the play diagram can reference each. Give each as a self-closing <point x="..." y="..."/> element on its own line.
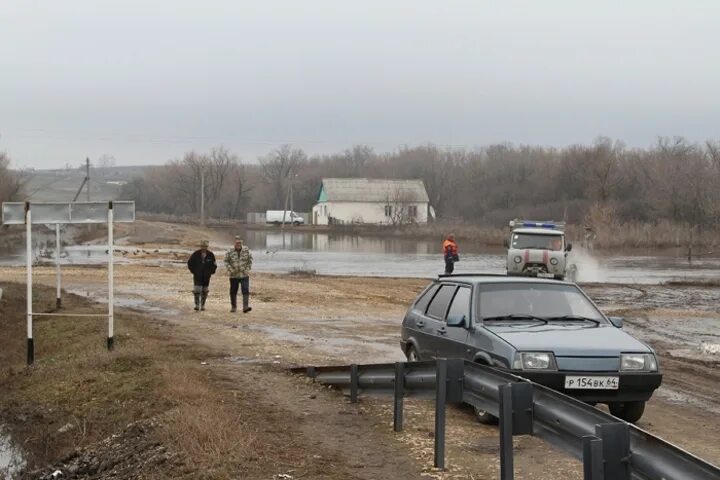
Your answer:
<point x="256" y="217"/>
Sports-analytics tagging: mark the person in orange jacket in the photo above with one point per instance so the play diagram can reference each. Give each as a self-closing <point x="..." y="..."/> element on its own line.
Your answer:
<point x="450" y="253"/>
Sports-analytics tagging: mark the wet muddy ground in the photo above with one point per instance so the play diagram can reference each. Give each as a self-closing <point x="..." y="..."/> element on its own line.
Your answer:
<point x="301" y="320"/>
<point x="306" y="319"/>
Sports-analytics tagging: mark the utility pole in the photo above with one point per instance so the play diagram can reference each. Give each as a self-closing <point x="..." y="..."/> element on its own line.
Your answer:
<point x="202" y="196"/>
<point x="282" y="227"/>
<point x="86" y="181"/>
<point x="87" y="176"/>
<point x="292" y="204"/>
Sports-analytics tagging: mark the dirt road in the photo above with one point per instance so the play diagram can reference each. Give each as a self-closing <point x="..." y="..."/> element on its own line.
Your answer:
<point x="324" y="320"/>
<point x="299" y="320"/>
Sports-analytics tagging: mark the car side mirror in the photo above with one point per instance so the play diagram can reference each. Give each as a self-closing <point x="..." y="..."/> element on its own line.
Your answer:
<point x="568" y="247"/>
<point x="506" y="244"/>
<point x="459" y="320"/>
<point x="617" y="321"/>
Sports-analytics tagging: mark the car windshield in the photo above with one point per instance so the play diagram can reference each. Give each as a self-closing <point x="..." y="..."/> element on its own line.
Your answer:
<point x="522" y="241"/>
<point x="546" y="301"/>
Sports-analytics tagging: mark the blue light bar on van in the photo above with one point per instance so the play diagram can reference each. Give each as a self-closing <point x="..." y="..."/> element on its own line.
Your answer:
<point x="539" y="225"/>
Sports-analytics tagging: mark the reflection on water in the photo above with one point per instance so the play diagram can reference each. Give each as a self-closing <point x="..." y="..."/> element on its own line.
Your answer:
<point x="336" y="254"/>
<point x="323" y="242"/>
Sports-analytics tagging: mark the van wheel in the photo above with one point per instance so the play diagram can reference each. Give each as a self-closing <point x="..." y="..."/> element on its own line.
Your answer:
<point x="485" y="417"/>
<point x="628" y="411"/>
<point x="412" y="355"/>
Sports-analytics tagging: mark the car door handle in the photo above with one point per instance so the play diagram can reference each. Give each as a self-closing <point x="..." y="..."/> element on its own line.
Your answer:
<point x="442" y="330"/>
<point x="419" y="323"/>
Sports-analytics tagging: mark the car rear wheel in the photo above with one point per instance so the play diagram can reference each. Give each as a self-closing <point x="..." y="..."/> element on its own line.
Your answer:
<point x="484" y="417"/>
<point x="628" y="411"/>
<point x="412" y="354"/>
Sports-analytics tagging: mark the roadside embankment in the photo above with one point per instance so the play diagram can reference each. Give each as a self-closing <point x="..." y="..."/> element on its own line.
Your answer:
<point x="151" y="392"/>
<point x="173" y="400"/>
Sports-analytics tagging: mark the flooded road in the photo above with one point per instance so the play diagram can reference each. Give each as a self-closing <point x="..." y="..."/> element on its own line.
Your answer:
<point x="337" y="254"/>
<point x="329" y="254"/>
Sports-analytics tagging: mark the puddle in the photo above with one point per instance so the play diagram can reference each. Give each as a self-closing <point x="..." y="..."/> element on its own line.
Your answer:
<point x="681" y="398"/>
<point x="121" y="301"/>
<point x="698" y="334"/>
<point x="245" y="360"/>
<point x="11" y="460"/>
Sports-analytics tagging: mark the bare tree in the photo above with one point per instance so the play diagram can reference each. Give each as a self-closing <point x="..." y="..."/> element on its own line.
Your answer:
<point x="11" y="182"/>
<point x="399" y="205"/>
<point x="106" y="161"/>
<point x="278" y="167"/>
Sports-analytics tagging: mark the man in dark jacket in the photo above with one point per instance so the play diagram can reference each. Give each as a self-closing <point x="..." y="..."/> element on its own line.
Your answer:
<point x="202" y="265"/>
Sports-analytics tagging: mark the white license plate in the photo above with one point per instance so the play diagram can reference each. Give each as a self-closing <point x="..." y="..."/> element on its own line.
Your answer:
<point x="546" y="275"/>
<point x="591" y="382"/>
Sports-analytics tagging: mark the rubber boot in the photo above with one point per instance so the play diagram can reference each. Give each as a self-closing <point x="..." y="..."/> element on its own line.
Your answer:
<point x="233" y="303"/>
<point x="197" y="301"/>
<point x="246" y="303"/>
<point x="202" y="300"/>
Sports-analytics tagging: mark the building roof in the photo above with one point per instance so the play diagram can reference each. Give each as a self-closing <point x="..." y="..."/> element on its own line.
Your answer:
<point x="372" y="190"/>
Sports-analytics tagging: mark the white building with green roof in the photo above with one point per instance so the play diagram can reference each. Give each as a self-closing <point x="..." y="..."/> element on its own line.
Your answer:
<point x="344" y="201"/>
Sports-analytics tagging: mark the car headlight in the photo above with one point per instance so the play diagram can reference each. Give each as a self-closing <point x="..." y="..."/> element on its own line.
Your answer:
<point x="534" y="361"/>
<point x="517" y="259"/>
<point x="554" y="261"/>
<point x="638" y="362"/>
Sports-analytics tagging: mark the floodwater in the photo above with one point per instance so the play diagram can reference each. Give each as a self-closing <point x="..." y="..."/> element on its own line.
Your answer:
<point x="394" y="257"/>
<point x="11" y="460"/>
<point x="337" y="254"/>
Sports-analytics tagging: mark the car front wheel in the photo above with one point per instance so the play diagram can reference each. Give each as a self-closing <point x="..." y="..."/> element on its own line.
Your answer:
<point x="628" y="411"/>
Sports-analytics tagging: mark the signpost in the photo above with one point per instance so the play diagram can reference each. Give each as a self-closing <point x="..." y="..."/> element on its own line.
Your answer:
<point x="61" y="213"/>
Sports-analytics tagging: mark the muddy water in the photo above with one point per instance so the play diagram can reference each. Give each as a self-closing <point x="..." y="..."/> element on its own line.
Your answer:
<point x="367" y="256"/>
<point x="332" y="254"/>
<point x="11" y="460"/>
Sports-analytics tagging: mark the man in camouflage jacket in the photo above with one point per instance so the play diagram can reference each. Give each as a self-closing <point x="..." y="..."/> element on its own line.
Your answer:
<point x="238" y="263"/>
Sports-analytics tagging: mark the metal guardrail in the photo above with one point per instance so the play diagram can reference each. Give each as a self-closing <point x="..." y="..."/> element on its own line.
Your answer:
<point x="610" y="448"/>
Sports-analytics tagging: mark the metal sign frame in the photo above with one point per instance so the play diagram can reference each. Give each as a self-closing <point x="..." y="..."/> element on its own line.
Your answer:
<point x="63" y="213"/>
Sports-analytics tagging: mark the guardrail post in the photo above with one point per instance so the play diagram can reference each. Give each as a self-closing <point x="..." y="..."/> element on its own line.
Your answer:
<point x="353" y="383"/>
<point x="615" y="450"/>
<point x="522" y="408"/>
<point x="440" y="397"/>
<point x="455" y="380"/>
<point x="516" y="418"/>
<point x="399" y="393"/>
<point x="506" y="424"/>
<point x="593" y="468"/>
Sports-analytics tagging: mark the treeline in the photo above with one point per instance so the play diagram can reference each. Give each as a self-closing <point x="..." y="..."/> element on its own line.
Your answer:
<point x="11" y="181"/>
<point x="675" y="181"/>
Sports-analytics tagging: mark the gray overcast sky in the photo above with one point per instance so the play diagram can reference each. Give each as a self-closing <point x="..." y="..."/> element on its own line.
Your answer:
<point x="147" y="80"/>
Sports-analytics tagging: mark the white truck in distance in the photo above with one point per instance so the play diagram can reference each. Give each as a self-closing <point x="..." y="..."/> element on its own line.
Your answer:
<point x="276" y="217"/>
<point x="538" y="249"/>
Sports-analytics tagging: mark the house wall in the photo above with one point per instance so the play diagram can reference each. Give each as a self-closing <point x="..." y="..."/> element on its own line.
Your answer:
<point x="361" y="212"/>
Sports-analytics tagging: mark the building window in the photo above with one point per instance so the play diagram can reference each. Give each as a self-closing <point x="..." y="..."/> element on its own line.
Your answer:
<point x="388" y="210"/>
<point x="412" y="211"/>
